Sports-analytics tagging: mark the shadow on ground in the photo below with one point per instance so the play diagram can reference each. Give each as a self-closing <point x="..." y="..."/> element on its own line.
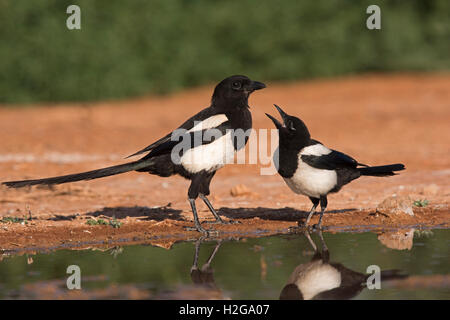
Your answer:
<point x="162" y="213"/>
<point x="145" y="213"/>
<point x="283" y="214"/>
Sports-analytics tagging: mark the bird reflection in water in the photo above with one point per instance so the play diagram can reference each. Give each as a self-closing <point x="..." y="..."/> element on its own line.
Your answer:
<point x="203" y="277"/>
<point x="321" y="279"/>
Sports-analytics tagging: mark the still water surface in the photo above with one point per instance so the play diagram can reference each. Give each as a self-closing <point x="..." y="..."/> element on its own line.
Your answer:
<point x="290" y="266"/>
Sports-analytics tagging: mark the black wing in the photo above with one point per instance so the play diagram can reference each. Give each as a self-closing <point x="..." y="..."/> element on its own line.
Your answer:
<point x="340" y="293"/>
<point x="188" y="124"/>
<point x="333" y="160"/>
<point x="161" y="141"/>
<point x="190" y="139"/>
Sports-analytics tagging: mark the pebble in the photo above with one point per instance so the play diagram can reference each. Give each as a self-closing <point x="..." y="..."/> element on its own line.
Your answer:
<point x="396" y="205"/>
<point x="399" y="240"/>
<point x="242" y="190"/>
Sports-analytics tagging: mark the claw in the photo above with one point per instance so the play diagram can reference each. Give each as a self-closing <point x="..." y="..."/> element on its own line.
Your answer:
<point x="318" y="227"/>
<point x="222" y="222"/>
<point x="297" y="229"/>
<point x="206" y="232"/>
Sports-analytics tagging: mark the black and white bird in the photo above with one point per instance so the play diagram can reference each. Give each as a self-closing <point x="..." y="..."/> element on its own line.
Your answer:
<point x="311" y="169"/>
<point x="322" y="279"/>
<point x="196" y="150"/>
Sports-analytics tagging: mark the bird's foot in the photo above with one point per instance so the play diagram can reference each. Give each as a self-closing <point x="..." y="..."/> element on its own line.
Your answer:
<point x="205" y="232"/>
<point x="304" y="226"/>
<point x="298" y="228"/>
<point x="318" y="227"/>
<point x="223" y="222"/>
<point x="295" y="229"/>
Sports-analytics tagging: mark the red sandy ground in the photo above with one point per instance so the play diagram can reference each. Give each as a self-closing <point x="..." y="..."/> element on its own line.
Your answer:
<point x="378" y="119"/>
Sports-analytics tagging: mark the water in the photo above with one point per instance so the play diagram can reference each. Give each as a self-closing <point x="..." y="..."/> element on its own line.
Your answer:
<point x="238" y="269"/>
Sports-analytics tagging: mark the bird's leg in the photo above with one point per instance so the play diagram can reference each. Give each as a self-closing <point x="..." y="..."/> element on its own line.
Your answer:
<point x="218" y="220"/>
<point x="322" y="241"/>
<point x="193" y="193"/>
<point x="211" y="257"/>
<point x="325" y="252"/>
<point x="315" y="202"/>
<point x="323" y="206"/>
<point x="317" y="253"/>
<point x="313" y="245"/>
<point x="211" y="208"/>
<point x="197" y="250"/>
<point x="311" y="213"/>
<point x="198" y="226"/>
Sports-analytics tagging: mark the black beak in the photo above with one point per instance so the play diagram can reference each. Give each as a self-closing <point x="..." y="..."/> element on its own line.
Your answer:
<point x="275" y="121"/>
<point x="256" y="85"/>
<point x="283" y="114"/>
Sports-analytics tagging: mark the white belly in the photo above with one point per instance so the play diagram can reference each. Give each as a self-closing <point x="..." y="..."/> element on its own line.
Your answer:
<point x="209" y="157"/>
<point x="318" y="278"/>
<point x="310" y="181"/>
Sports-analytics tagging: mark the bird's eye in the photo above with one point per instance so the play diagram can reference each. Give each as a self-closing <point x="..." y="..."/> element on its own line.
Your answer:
<point x="291" y="126"/>
<point x="236" y="85"/>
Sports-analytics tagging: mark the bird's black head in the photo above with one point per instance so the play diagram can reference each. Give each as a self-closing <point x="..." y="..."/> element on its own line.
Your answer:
<point x="292" y="127"/>
<point x="235" y="91"/>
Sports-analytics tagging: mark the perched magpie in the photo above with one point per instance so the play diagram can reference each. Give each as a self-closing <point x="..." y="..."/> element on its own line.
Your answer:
<point x="207" y="141"/>
<point x="321" y="279"/>
<point x="311" y="169"/>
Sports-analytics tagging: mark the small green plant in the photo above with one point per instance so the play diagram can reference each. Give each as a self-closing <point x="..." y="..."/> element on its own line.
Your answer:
<point x="14" y="220"/>
<point x="102" y="222"/>
<point x="421" y="203"/>
<point x="92" y="222"/>
<point x="113" y="223"/>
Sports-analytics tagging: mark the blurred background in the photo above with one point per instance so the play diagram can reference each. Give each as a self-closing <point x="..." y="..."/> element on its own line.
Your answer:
<point x="134" y="48"/>
<point x="77" y="100"/>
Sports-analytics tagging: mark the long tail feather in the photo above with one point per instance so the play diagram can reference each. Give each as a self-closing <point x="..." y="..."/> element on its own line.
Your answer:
<point x="393" y="274"/>
<point x="381" y="171"/>
<point x="89" y="175"/>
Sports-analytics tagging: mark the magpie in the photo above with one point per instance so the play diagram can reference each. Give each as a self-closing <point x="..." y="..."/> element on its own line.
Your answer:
<point x="321" y="279"/>
<point x="311" y="169"/>
<point x="195" y="150"/>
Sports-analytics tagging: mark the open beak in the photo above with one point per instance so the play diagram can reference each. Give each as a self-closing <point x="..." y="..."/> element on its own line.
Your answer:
<point x="275" y="121"/>
<point x="256" y="85"/>
<point x="284" y="116"/>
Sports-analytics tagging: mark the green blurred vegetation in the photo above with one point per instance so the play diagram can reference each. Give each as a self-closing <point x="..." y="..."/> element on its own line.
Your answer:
<point x="129" y="48"/>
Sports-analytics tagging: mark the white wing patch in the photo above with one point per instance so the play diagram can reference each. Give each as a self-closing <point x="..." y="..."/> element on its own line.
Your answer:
<point x="210" y="156"/>
<point x="315" y="150"/>
<point x="209" y="123"/>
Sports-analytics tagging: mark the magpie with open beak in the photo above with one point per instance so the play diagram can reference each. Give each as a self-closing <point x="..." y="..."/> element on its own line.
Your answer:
<point x="196" y="150"/>
<point x="311" y="169"/>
